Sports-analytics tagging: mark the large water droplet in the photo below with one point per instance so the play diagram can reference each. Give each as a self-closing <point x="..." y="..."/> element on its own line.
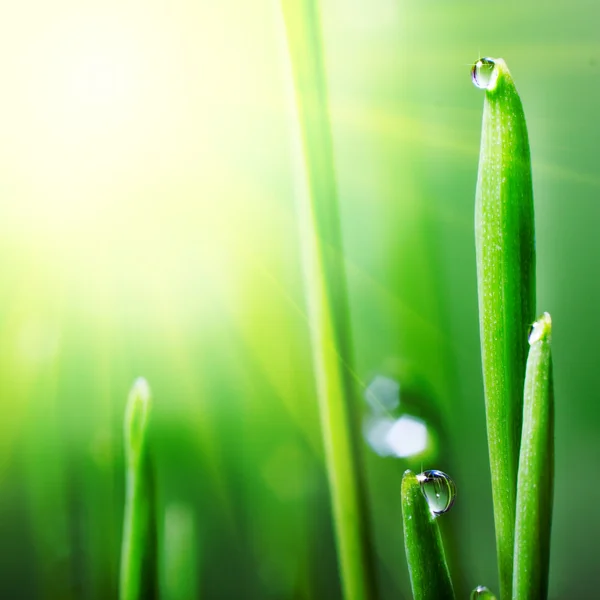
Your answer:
<point x="482" y="72"/>
<point x="482" y="593"/>
<point x="439" y="490"/>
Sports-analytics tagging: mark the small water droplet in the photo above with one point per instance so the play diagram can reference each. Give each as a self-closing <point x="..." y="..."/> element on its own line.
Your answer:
<point x="530" y="332"/>
<point x="439" y="490"/>
<point x="539" y="328"/>
<point x="482" y="593"/>
<point x="483" y="72"/>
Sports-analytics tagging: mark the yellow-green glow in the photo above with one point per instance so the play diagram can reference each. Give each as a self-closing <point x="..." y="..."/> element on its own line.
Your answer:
<point x="131" y="183"/>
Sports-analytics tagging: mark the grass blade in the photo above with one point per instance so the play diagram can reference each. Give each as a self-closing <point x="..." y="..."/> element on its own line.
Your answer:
<point x="536" y="470"/>
<point x="325" y="283"/>
<point x="504" y="229"/>
<point x="429" y="574"/>
<point x="138" y="553"/>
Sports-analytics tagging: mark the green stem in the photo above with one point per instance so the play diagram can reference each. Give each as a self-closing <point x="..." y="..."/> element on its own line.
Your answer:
<point x="504" y="225"/>
<point x="429" y="575"/>
<point x="536" y="470"/>
<point x="324" y="274"/>
<point x="138" y="554"/>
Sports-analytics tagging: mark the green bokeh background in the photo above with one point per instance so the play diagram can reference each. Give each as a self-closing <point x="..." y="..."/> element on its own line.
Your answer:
<point x="147" y="227"/>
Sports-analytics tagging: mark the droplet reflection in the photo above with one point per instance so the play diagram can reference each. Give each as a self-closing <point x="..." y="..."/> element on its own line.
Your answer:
<point x="482" y="72"/>
<point x="439" y="490"/>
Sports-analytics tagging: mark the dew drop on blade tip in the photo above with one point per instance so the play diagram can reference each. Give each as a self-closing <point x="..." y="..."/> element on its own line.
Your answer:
<point x="482" y="73"/>
<point x="439" y="490"/>
<point x="540" y="328"/>
<point x="482" y="593"/>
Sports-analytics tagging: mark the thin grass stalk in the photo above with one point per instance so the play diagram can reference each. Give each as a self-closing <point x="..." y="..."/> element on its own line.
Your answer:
<point x="536" y="470"/>
<point x="325" y="283"/>
<point x="139" y="575"/>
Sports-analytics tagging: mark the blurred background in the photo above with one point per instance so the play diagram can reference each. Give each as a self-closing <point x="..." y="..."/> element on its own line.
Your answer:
<point x="147" y="227"/>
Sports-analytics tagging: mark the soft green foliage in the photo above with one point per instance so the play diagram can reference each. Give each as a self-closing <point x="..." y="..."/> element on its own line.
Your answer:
<point x="181" y="555"/>
<point x="536" y="470"/>
<point x="504" y="227"/>
<point x="138" y="554"/>
<point x="429" y="575"/>
<point x="325" y="283"/>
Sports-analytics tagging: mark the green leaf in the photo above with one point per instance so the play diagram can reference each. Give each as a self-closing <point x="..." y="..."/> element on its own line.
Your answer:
<point x="536" y="470"/>
<point x="429" y="574"/>
<point x="504" y="228"/>
<point x="138" y="579"/>
<point x="327" y="301"/>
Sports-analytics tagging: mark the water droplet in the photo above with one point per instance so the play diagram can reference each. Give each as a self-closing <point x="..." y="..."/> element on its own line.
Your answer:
<point x="483" y="73"/>
<point x="439" y="490"/>
<point x="482" y="593"/>
<point x="383" y="394"/>
<point x="540" y="328"/>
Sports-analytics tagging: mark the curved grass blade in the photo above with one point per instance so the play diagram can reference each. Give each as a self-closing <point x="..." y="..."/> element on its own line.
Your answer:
<point x="325" y="284"/>
<point x="536" y="470"/>
<point x="138" y="553"/>
<point x="429" y="574"/>
<point x="504" y="231"/>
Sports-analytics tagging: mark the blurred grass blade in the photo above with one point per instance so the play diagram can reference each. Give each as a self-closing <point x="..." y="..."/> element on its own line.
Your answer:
<point x="180" y="553"/>
<point x="138" y="552"/>
<point x="429" y="575"/>
<point x="325" y="283"/>
<point x="504" y="231"/>
<point x="536" y="470"/>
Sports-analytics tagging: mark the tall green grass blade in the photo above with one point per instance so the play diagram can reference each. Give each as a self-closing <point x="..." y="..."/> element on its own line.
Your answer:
<point x="138" y="553"/>
<point x="429" y="574"/>
<point x="325" y="283"/>
<point x="504" y="228"/>
<point x="536" y="470"/>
